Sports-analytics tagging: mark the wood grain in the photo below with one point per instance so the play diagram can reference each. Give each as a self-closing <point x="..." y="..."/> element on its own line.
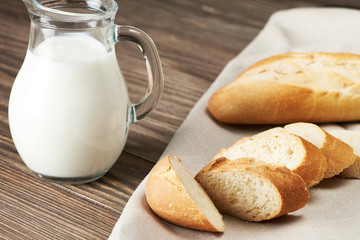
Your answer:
<point x="195" y="39"/>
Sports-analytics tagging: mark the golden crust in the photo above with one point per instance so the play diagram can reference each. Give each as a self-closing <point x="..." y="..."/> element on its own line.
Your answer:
<point x="301" y="94"/>
<point x="313" y="165"/>
<point x="308" y="57"/>
<point x="261" y="102"/>
<point x="352" y="138"/>
<point x="339" y="155"/>
<point x="290" y="186"/>
<point x="168" y="198"/>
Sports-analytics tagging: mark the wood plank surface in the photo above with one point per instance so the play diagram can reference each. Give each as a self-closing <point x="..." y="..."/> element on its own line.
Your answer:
<point x="195" y="39"/>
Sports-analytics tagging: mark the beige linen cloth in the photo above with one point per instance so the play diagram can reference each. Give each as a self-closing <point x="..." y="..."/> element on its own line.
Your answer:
<point x="333" y="211"/>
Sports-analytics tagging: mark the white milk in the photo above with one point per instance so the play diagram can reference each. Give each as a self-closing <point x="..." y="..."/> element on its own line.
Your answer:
<point x="68" y="108"/>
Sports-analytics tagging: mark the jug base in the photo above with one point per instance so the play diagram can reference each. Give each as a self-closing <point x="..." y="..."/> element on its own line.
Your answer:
<point x="70" y="180"/>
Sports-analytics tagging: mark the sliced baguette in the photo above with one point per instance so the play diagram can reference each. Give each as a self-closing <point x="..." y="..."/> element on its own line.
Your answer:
<point x="174" y="195"/>
<point x="278" y="146"/>
<point x="339" y="155"/>
<point x="351" y="137"/>
<point x="252" y="190"/>
<point x="292" y="87"/>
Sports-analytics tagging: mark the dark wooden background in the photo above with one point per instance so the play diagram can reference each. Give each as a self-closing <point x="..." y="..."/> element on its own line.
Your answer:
<point x="195" y="39"/>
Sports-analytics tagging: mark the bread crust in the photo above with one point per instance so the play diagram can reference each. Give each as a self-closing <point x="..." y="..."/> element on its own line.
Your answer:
<point x="266" y="100"/>
<point x="290" y="186"/>
<point x="168" y="198"/>
<point x="338" y="154"/>
<point x="313" y="165"/>
<point x="352" y="138"/>
<point x="262" y="102"/>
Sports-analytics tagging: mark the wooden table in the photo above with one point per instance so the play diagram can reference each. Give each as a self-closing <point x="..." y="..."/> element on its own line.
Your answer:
<point x="195" y="39"/>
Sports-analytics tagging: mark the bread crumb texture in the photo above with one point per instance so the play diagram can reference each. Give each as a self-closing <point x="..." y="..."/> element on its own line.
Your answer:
<point x="253" y="190"/>
<point x="278" y="146"/>
<point x="258" y="178"/>
<point x="174" y="195"/>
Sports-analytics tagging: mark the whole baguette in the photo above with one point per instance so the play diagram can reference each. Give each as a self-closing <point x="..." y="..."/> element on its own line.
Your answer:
<point x="253" y="190"/>
<point x="292" y="87"/>
<point x="174" y="195"/>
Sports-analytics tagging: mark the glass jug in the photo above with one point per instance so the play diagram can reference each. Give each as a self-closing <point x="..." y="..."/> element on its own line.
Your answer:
<point x="69" y="109"/>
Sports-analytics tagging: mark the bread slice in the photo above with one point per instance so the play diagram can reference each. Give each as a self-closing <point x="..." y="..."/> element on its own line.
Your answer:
<point x="351" y="137"/>
<point x="339" y="155"/>
<point x="292" y="87"/>
<point x="174" y="195"/>
<point x="278" y="146"/>
<point x="252" y="190"/>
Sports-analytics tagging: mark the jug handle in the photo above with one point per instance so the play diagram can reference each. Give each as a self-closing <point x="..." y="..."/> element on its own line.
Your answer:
<point x="153" y="65"/>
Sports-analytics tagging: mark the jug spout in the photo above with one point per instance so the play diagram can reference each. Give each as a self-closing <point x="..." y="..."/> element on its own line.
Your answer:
<point x="30" y="6"/>
<point x="28" y="3"/>
<point x="35" y="7"/>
